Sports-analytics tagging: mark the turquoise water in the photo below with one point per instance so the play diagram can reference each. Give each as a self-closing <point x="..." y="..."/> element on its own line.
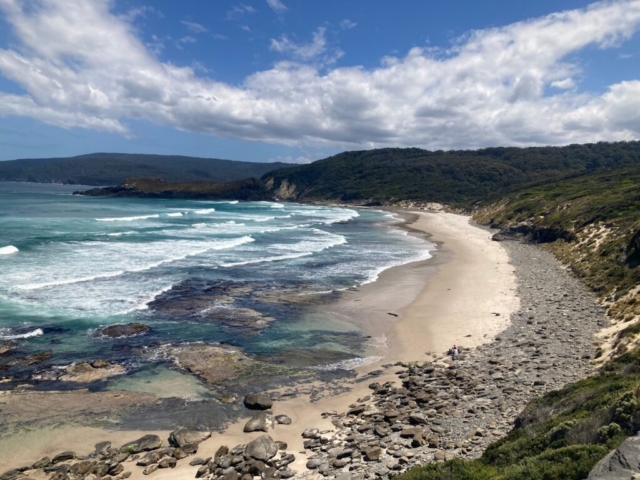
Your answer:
<point x="70" y="265"/>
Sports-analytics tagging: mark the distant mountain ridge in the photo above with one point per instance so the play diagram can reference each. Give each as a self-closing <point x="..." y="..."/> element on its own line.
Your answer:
<point x="115" y="168"/>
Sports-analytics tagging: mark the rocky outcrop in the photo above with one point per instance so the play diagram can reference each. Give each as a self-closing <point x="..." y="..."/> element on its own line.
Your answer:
<point x="532" y="233"/>
<point x="623" y="463"/>
<point x="123" y="330"/>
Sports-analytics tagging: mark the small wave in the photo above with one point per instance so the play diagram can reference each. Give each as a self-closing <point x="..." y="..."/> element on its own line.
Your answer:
<point x="276" y="258"/>
<point x="204" y="211"/>
<point x="199" y="225"/>
<point x="35" y="333"/>
<point x="277" y="205"/>
<point x="127" y="219"/>
<point x="120" y="234"/>
<point x="176" y="214"/>
<point x="233" y="202"/>
<point x="349" y="364"/>
<point x="8" y="250"/>
<point x="263" y="219"/>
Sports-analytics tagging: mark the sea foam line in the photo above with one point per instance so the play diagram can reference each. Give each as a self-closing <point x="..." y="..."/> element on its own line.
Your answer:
<point x="35" y="333"/>
<point x="127" y="219"/>
<point x="267" y="259"/>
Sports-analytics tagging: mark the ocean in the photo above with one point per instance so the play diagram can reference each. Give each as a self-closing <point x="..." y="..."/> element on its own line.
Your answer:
<point x="235" y="273"/>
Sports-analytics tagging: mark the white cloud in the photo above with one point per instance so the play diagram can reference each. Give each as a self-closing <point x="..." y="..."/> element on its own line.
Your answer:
<point x="304" y="51"/>
<point x="347" y="24"/>
<point x="564" y="84"/>
<point x="238" y="11"/>
<point x="80" y="65"/>
<point x="277" y="6"/>
<point x="194" y="27"/>
<point x="181" y="42"/>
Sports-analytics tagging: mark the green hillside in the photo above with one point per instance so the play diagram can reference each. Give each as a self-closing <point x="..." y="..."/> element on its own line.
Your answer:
<point x="114" y="168"/>
<point x="454" y="177"/>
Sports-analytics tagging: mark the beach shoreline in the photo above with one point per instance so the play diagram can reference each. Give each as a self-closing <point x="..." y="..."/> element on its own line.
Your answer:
<point x="468" y="276"/>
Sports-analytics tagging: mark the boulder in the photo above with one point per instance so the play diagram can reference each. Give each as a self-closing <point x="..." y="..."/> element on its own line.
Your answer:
<point x="260" y="422"/>
<point x="63" y="457"/>
<point x="283" y="419"/>
<point x="620" y="464"/>
<point x="124" y="330"/>
<point x="262" y="448"/>
<point x="143" y="444"/>
<point x="183" y="437"/>
<point x="258" y="401"/>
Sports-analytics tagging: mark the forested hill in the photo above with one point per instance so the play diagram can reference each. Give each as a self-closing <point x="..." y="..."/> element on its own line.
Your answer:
<point x="114" y="168"/>
<point x="454" y="177"/>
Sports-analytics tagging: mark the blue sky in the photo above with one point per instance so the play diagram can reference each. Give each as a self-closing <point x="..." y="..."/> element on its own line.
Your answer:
<point x="297" y="80"/>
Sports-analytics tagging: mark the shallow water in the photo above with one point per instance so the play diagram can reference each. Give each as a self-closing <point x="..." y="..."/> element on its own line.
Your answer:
<point x="193" y="271"/>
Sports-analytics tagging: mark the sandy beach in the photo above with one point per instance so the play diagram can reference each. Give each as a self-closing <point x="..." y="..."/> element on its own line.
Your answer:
<point x="465" y="295"/>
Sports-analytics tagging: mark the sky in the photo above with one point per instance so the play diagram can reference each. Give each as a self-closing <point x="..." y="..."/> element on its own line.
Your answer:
<point x="299" y="80"/>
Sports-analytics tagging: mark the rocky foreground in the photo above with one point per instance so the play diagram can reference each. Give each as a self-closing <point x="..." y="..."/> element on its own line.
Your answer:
<point x="436" y="410"/>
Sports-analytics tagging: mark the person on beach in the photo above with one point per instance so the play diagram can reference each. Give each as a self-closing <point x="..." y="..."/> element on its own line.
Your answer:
<point x="454" y="352"/>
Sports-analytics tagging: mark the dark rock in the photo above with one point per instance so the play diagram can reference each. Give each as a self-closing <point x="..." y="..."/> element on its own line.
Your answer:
<point x="622" y="463"/>
<point x="260" y="422"/>
<point x="167" y="462"/>
<point x="63" y="457"/>
<point x="262" y="448"/>
<point x="183" y="437"/>
<point x="150" y="469"/>
<point x="43" y="462"/>
<point x="283" y="420"/>
<point x="258" y="401"/>
<point x="124" y="330"/>
<point x="143" y="444"/>
<point x="82" y="468"/>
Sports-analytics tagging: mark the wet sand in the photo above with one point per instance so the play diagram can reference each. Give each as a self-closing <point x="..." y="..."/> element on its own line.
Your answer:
<point x="453" y="297"/>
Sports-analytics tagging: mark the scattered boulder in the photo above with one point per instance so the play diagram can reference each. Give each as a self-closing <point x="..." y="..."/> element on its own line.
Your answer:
<point x="258" y="401"/>
<point x="262" y="448"/>
<point x="183" y="437"/>
<point x="260" y="422"/>
<point x="143" y="444"/>
<point x="283" y="420"/>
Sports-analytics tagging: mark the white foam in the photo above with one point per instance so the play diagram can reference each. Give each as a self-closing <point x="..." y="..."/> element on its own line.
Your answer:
<point x="277" y="205"/>
<point x="120" y="234"/>
<point x="204" y="211"/>
<point x="349" y="364"/>
<point x="35" y="333"/>
<point x="159" y="248"/>
<point x="176" y="214"/>
<point x="276" y="258"/>
<point x="232" y="202"/>
<point x="8" y="250"/>
<point x="127" y="219"/>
